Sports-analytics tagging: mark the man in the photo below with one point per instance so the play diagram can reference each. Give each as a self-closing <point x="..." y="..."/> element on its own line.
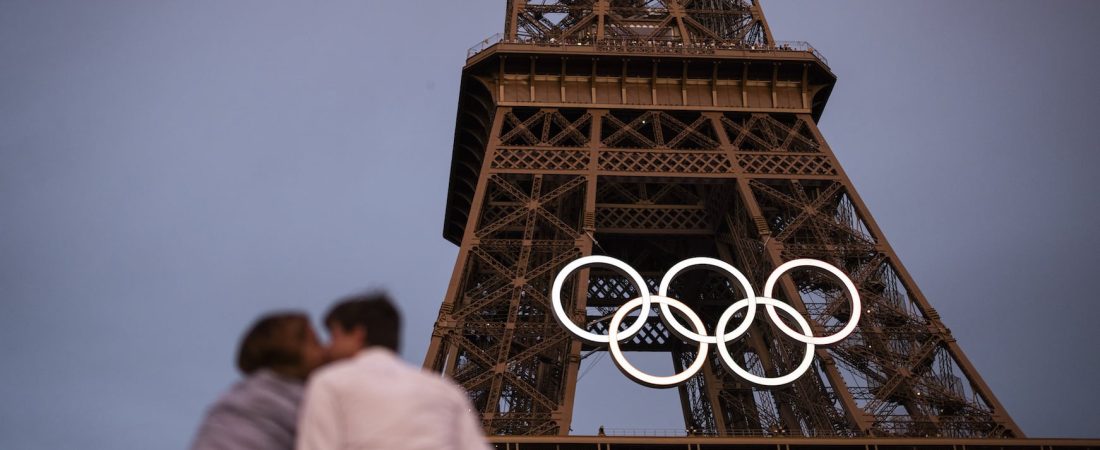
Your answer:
<point x="373" y="399"/>
<point x="261" y="411"/>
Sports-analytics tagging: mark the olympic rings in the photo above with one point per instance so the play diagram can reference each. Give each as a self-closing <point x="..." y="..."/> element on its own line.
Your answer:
<point x="644" y="302"/>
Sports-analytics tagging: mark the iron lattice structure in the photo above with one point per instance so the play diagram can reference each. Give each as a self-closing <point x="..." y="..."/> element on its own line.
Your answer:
<point x="653" y="131"/>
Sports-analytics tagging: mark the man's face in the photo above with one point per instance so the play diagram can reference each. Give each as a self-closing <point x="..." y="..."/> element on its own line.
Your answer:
<point x="345" y="343"/>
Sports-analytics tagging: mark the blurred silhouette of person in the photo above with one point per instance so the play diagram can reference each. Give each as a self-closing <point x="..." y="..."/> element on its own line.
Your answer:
<point x="276" y="355"/>
<point x="371" y="399"/>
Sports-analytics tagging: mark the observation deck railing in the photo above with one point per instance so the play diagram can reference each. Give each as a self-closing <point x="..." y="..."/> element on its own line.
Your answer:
<point x="680" y="432"/>
<point x="891" y="426"/>
<point x="651" y="46"/>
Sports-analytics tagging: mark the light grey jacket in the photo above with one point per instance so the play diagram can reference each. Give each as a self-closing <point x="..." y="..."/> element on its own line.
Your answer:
<point x="259" y="412"/>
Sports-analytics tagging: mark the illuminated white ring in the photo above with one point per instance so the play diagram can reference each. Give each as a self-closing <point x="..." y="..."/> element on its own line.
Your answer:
<point x="606" y="261"/>
<point x="634" y="373"/>
<point x="807" y="336"/>
<point x="771" y="303"/>
<point x="718" y="266"/>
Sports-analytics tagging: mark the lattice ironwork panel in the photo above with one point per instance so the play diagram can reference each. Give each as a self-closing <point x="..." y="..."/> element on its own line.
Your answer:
<point x="652" y="219"/>
<point x="554" y="20"/>
<point x="548" y="127"/>
<point x="667" y="162"/>
<point x="786" y="164"/>
<point x="652" y="337"/>
<point x="770" y="133"/>
<point x="508" y="352"/>
<point x="730" y="22"/>
<point x="539" y="159"/>
<point x="640" y="193"/>
<point x="658" y="129"/>
<point x="810" y="213"/>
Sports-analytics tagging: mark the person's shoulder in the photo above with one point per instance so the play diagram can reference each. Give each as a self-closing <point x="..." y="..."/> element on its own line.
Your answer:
<point x="260" y="391"/>
<point x="240" y="396"/>
<point x="332" y="373"/>
<point x="414" y="373"/>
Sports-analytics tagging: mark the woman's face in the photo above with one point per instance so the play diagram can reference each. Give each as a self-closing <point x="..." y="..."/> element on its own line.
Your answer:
<point x="313" y="354"/>
<point x="298" y="338"/>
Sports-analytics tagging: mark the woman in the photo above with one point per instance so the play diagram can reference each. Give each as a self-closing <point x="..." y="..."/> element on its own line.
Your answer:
<point x="276" y="356"/>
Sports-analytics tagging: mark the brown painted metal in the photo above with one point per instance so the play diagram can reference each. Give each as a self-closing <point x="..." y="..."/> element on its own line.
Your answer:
<point x="653" y="131"/>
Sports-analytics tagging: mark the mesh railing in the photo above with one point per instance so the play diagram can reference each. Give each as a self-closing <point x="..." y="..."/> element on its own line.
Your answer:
<point x="651" y="46"/>
<point x="681" y="432"/>
<point x="481" y="46"/>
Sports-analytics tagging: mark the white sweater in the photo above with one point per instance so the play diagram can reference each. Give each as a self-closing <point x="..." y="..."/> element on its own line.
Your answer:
<point x="375" y="400"/>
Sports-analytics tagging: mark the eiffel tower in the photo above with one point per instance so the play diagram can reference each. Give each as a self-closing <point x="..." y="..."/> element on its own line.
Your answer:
<point x="652" y="131"/>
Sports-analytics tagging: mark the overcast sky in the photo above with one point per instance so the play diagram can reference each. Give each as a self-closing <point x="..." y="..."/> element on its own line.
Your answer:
<point x="170" y="170"/>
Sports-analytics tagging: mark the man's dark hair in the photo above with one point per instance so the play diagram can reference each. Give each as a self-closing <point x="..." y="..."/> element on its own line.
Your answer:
<point x="374" y="312"/>
<point x="274" y="340"/>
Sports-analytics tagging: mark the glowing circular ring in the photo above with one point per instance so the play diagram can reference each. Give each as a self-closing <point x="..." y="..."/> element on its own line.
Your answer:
<point x="717" y="266"/>
<point x="727" y="359"/>
<point x="807" y="336"/>
<point x="634" y="373"/>
<point x="604" y="261"/>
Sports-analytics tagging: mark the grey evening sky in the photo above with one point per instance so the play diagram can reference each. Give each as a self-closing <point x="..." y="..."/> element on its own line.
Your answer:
<point x="169" y="170"/>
